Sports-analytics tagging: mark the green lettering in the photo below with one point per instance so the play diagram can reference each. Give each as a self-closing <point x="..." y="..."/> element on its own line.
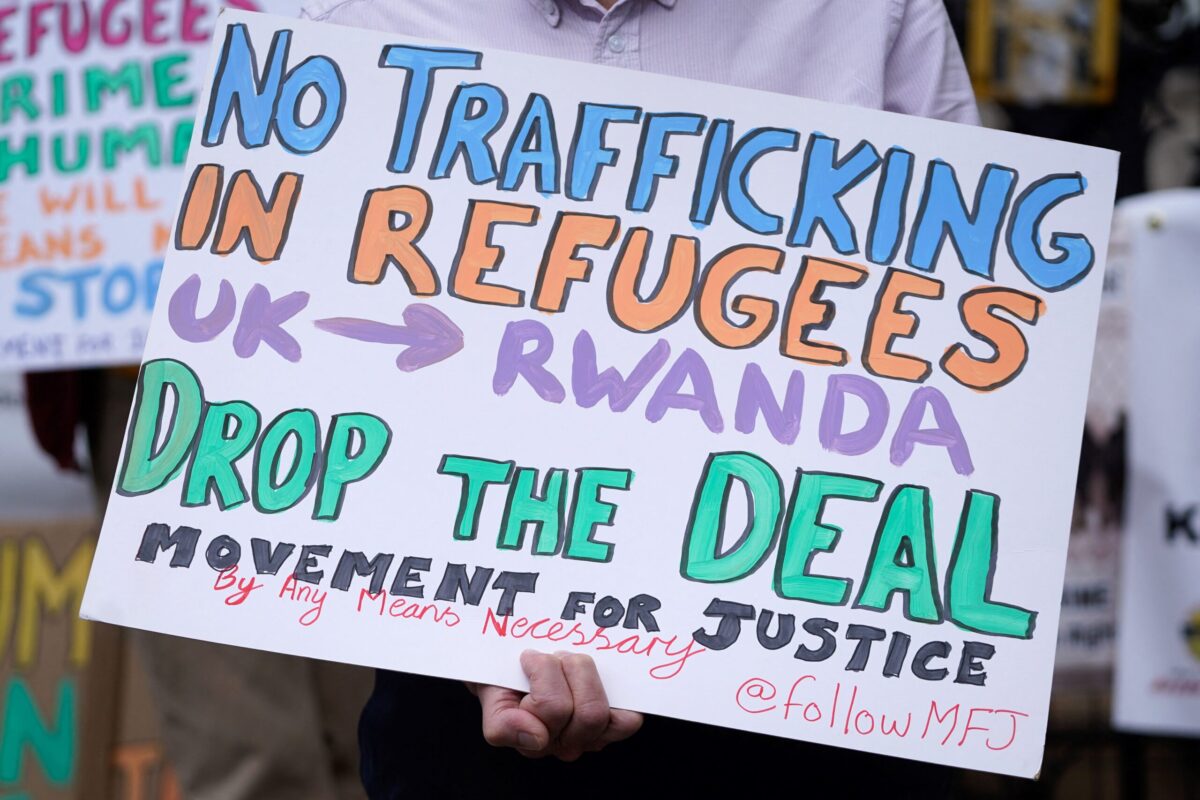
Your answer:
<point x="83" y="146"/>
<point x="476" y="473"/>
<point x="127" y="77"/>
<point x="808" y="535"/>
<point x="702" y="557"/>
<point x="17" y="93"/>
<point x="182" y="140"/>
<point x="58" y="102"/>
<point x="972" y="568"/>
<point x="23" y="728"/>
<point x="146" y="467"/>
<point x="545" y="513"/>
<point x="357" y="445"/>
<point x="28" y="155"/>
<point x="113" y="141"/>
<point x="903" y="558"/>
<point x="273" y="494"/>
<point x="166" y="79"/>
<point x="589" y="512"/>
<point x="228" y="431"/>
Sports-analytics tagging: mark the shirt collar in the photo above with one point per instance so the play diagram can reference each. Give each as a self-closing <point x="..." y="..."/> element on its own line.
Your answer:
<point x="550" y="11"/>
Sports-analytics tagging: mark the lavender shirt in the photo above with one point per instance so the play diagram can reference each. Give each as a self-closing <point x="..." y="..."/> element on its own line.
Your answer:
<point x="897" y="55"/>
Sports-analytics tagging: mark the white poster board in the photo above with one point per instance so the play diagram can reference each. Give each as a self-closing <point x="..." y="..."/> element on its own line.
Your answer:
<point x="96" y="107"/>
<point x="1158" y="624"/>
<point x="445" y="417"/>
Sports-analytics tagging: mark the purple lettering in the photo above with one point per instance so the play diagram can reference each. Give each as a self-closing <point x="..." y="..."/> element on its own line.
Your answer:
<point x="181" y="311"/>
<point x="833" y="414"/>
<point x="589" y="387"/>
<point x="756" y="396"/>
<point x="947" y="434"/>
<point x="691" y="366"/>
<point x="513" y="361"/>
<point x="262" y="321"/>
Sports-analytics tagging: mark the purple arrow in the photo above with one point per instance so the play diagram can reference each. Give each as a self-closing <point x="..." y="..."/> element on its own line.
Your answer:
<point x="430" y="335"/>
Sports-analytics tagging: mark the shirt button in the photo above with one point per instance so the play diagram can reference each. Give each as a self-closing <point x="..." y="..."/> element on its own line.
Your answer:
<point x="616" y="43"/>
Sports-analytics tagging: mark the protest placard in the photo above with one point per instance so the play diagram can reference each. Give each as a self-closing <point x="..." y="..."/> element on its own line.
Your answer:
<point x="1157" y="680"/>
<point x="96" y="107"/>
<point x="771" y="406"/>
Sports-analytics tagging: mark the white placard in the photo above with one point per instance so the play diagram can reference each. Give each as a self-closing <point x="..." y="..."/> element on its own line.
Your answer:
<point x="406" y="281"/>
<point x="96" y="107"/>
<point x="1158" y="624"/>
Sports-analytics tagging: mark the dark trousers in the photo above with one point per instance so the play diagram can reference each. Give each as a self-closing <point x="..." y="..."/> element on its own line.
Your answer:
<point x="420" y="737"/>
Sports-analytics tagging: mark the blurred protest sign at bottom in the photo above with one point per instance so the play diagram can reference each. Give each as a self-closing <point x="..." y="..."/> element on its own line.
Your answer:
<point x="1158" y="652"/>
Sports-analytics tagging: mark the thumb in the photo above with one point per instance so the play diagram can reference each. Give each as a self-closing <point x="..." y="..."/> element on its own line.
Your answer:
<point x="506" y="724"/>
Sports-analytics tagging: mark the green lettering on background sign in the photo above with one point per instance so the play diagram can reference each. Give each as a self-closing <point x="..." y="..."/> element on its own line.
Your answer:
<point x="23" y="728"/>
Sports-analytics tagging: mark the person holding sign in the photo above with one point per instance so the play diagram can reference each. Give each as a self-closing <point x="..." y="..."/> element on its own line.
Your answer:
<point x="897" y="55"/>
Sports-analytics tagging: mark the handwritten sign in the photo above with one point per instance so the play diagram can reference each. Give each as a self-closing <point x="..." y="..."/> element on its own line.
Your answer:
<point x="772" y="407"/>
<point x="44" y="650"/>
<point x="1157" y="670"/>
<point x="96" y="107"/>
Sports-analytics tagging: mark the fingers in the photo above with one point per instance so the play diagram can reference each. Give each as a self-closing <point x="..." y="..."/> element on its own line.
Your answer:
<point x="590" y="718"/>
<point x="565" y="713"/>
<point x="506" y="724"/>
<point x="621" y="725"/>
<point x="550" y="698"/>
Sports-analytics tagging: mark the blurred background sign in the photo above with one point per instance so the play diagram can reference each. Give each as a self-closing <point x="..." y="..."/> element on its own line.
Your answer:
<point x="75" y="718"/>
<point x="1043" y="51"/>
<point x="1158" y="655"/>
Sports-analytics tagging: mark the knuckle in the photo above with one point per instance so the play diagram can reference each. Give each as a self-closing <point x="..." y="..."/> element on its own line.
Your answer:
<point x="552" y="707"/>
<point x="592" y="717"/>
<point x="536" y="659"/>
<point x="578" y="660"/>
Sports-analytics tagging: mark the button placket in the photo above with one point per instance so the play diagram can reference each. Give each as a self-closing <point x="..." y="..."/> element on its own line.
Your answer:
<point x="617" y="37"/>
